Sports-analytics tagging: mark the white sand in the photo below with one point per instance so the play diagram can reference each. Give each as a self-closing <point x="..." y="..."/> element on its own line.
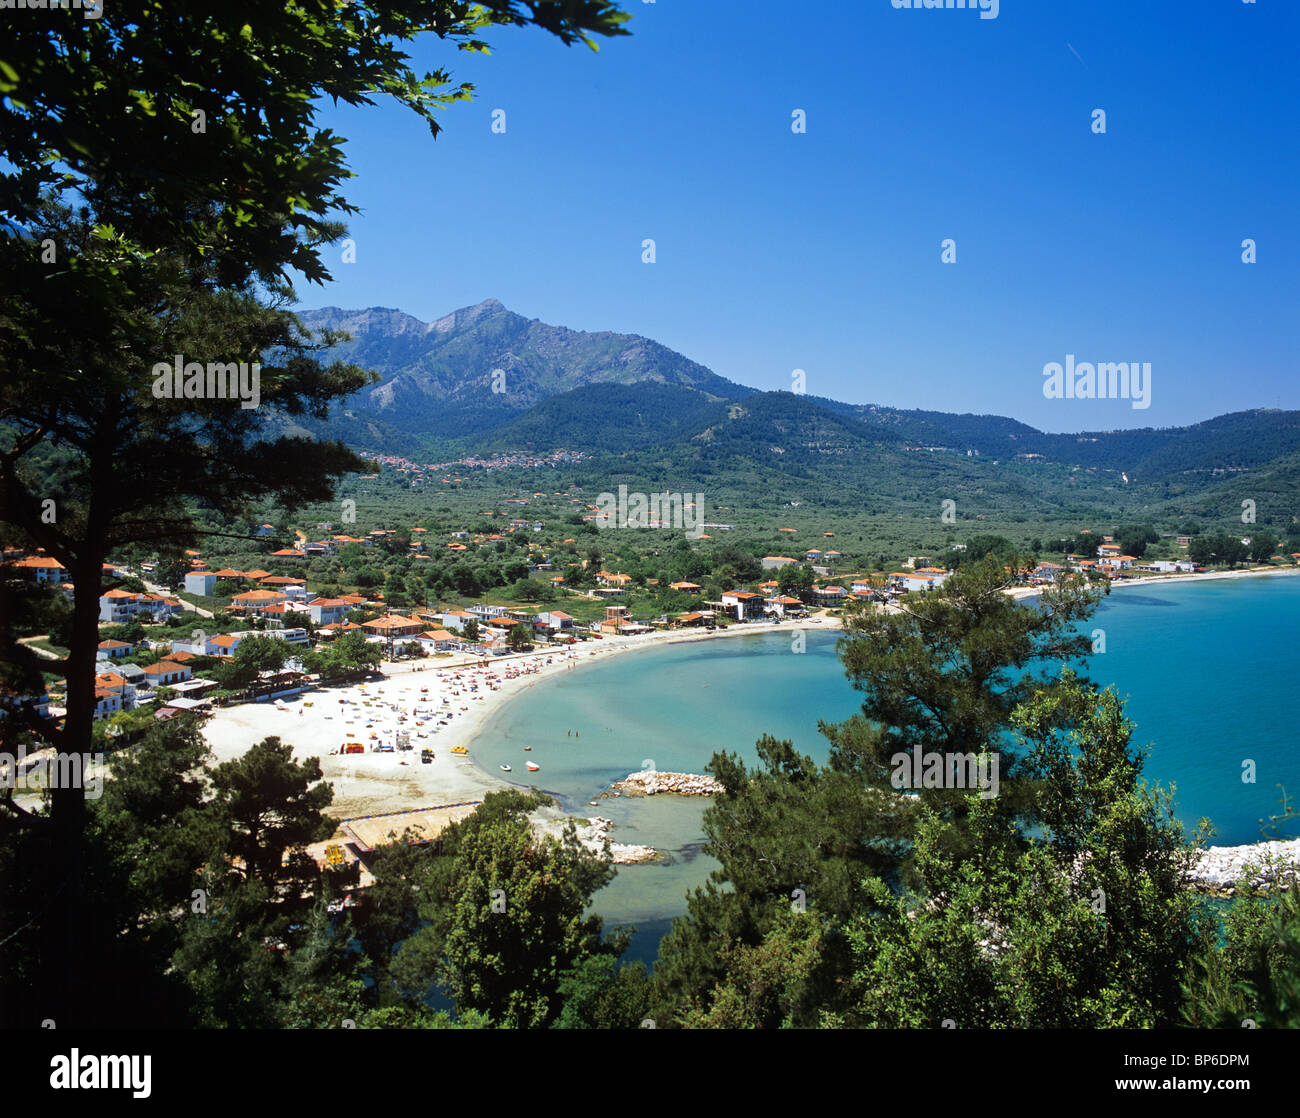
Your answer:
<point x="369" y="783"/>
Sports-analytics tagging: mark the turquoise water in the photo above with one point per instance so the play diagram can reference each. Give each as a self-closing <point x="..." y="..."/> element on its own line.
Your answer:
<point x="1209" y="669"/>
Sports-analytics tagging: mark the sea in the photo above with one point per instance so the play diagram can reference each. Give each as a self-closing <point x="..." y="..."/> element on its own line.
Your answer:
<point x="1208" y="669"/>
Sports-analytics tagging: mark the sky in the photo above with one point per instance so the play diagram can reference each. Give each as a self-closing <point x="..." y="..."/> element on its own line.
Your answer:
<point x="822" y="250"/>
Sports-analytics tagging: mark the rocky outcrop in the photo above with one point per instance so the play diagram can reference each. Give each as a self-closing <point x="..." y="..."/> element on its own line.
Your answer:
<point x="594" y="831"/>
<point x="648" y="782"/>
<point x="1225" y="869"/>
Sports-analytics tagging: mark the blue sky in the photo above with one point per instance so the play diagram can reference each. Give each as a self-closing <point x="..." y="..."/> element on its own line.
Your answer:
<point x="822" y="251"/>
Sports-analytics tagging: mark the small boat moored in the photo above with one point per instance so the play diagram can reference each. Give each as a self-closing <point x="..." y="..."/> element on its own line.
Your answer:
<point x="506" y="769"/>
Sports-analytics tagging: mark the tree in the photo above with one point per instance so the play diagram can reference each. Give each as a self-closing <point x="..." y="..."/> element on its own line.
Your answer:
<point x="1133" y="538"/>
<point x="787" y="834"/>
<point x="198" y="190"/>
<point x="350" y="652"/>
<point x="945" y="673"/>
<point x="505" y="914"/>
<point x="1251" y="971"/>
<point x="597" y="993"/>
<point x="1217" y="550"/>
<point x="797" y="580"/>
<point x="253" y="656"/>
<point x="519" y="638"/>
<point x="1262" y="546"/>
<point x="171" y="572"/>
<point x="271" y="805"/>
<point x="1086" y="925"/>
<point x="470" y="630"/>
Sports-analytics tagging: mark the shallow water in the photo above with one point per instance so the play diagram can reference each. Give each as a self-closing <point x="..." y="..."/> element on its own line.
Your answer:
<point x="1209" y="668"/>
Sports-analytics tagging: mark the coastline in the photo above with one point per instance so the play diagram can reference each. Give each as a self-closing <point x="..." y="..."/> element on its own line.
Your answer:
<point x="1173" y="578"/>
<point x="316" y="723"/>
<point x="374" y="783"/>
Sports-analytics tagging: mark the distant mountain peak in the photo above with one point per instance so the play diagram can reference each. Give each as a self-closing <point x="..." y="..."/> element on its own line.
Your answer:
<point x="467" y="316"/>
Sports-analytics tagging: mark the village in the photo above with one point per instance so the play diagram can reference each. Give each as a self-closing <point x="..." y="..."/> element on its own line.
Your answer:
<point x="199" y="625"/>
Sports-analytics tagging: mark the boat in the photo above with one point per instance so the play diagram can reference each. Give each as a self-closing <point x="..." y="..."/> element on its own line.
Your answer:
<point x="533" y="767"/>
<point x="506" y="769"/>
<point x="460" y="750"/>
<point x="528" y="749"/>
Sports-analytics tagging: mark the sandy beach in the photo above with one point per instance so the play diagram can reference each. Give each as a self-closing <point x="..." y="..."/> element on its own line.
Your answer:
<point x="455" y="690"/>
<point x="448" y="700"/>
<point x="1187" y="577"/>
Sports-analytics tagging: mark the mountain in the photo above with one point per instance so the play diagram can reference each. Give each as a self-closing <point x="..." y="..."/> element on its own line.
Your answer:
<point x="485" y="379"/>
<point x="477" y="368"/>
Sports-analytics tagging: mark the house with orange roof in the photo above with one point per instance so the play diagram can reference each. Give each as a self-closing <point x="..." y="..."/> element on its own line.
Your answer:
<point x="327" y="611"/>
<point x="439" y="640"/>
<point x="1116" y="562"/>
<point x="165" y="672"/>
<point x="222" y="645"/>
<point x="926" y="578"/>
<point x="107" y="703"/>
<point x="743" y="604"/>
<point x="41" y="568"/>
<point x="784" y="606"/>
<point x="113" y="650"/>
<point x="118" y="683"/>
<point x="256" y="602"/>
<point x="775" y="562"/>
<point x="685" y="587"/>
<point x="393" y="625"/>
<point x="119" y="606"/>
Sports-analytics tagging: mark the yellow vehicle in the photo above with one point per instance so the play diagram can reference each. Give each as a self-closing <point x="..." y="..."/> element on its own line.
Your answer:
<point x="334" y="854"/>
<point x="460" y="750"/>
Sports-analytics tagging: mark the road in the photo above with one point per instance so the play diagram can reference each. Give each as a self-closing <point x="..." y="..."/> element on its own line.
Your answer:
<point x="186" y="605"/>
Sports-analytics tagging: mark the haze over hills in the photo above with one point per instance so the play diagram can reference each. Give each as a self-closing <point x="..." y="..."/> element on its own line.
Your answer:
<point x="639" y="406"/>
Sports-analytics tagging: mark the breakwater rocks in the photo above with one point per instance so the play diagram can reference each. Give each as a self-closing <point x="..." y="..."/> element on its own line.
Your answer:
<point x="647" y="782"/>
<point x="1224" y="869"/>
<point x="595" y="832"/>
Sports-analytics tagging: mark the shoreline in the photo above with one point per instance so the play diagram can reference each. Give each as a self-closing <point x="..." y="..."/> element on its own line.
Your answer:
<point x="372" y="783"/>
<point x="1172" y="578"/>
<point x="316" y="723"/>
